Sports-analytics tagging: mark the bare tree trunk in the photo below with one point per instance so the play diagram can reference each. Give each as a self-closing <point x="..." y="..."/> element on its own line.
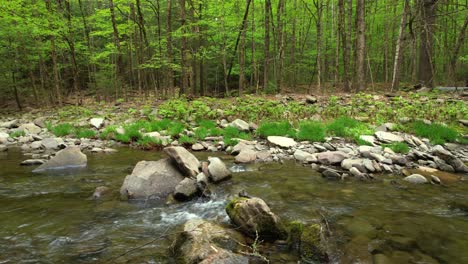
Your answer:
<point x="58" y="93"/>
<point x="426" y="49"/>
<point x="456" y="50"/>
<point x="280" y="40"/>
<point x="170" y="73"/>
<point x="361" y="45"/>
<point x="119" y="62"/>
<point x="266" y="62"/>
<point x="185" y="74"/>
<point x="345" y="46"/>
<point x="397" y="62"/>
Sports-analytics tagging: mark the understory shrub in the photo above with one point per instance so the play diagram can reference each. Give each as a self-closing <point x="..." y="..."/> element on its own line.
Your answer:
<point x="436" y="133"/>
<point x="311" y="131"/>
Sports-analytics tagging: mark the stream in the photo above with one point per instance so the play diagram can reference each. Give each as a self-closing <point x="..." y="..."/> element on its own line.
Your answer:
<point x="50" y="218"/>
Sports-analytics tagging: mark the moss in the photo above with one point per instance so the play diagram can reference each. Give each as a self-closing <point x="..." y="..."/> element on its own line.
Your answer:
<point x="294" y="229"/>
<point x="232" y="205"/>
<point x="311" y="244"/>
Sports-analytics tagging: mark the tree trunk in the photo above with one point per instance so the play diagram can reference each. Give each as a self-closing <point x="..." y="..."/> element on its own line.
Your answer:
<point x="266" y="62"/>
<point x="360" y="45"/>
<point x="397" y="62"/>
<point x="426" y="49"/>
<point x="456" y="50"/>
<point x="170" y="72"/>
<point x="58" y="93"/>
<point x="183" y="60"/>
<point x="119" y="61"/>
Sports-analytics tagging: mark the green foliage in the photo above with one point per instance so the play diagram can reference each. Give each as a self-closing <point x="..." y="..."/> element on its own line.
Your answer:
<point x="175" y="129"/>
<point x="437" y="133"/>
<point x="17" y="133"/>
<point x="311" y="131"/>
<point x="201" y="133"/>
<point x="147" y="142"/>
<point x="186" y="140"/>
<point x="348" y="127"/>
<point x="398" y="147"/>
<point x="362" y="142"/>
<point x="84" y="133"/>
<point x="61" y="130"/>
<point x="108" y="132"/>
<point x="208" y="124"/>
<point x="231" y="134"/>
<point x="283" y="128"/>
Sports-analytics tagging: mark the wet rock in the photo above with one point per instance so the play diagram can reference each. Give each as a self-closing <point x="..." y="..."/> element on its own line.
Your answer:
<point x="202" y="183"/>
<point x="331" y="174"/>
<point x="208" y="243"/>
<point x="311" y="245"/>
<point x="240" y="125"/>
<point x="282" y="142"/>
<point x="186" y="189"/>
<point x="331" y="157"/>
<point x="100" y="192"/>
<point x="36" y="145"/>
<point x="253" y="215"/>
<point x="445" y="177"/>
<point x="246" y="156"/>
<point x="152" y="179"/>
<point x="218" y="170"/>
<point x="30" y="162"/>
<point x="197" y="147"/>
<point x="349" y="163"/>
<point x="416" y="179"/>
<point x="388" y="137"/>
<point x="3" y="148"/>
<point x="30" y="128"/>
<point x="185" y="160"/>
<point x="356" y="173"/>
<point x="97" y="122"/>
<point x="369" y="165"/>
<point x="71" y="157"/>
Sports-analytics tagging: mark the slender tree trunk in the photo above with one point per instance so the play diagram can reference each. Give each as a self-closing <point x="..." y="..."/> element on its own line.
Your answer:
<point x="397" y="62"/>
<point x="266" y="62"/>
<point x="360" y="45"/>
<point x="280" y="39"/>
<point x="58" y="93"/>
<point x="119" y="60"/>
<point x="170" y="72"/>
<point x="344" y="45"/>
<point x="185" y="74"/>
<point x="456" y="51"/>
<point x="426" y="49"/>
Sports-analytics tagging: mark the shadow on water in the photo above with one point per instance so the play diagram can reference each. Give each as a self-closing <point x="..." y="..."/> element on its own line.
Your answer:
<point x="49" y="218"/>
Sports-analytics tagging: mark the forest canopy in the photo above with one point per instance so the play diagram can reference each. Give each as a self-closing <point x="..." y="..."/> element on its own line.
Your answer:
<point x="54" y="50"/>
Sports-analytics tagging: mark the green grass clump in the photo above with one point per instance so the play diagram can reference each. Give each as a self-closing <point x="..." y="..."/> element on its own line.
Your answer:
<point x="311" y="131"/>
<point x="175" y="129"/>
<point x="398" y="147"/>
<point x="158" y="125"/>
<point x="61" y="130"/>
<point x="436" y="133"/>
<point x="124" y="138"/>
<point x="84" y="133"/>
<point x="208" y="124"/>
<point x="347" y="127"/>
<point x="147" y="142"/>
<point x="362" y="142"/>
<point x="201" y="133"/>
<point x="18" y="133"/>
<point x="283" y="128"/>
<point x="230" y="135"/>
<point x="186" y="140"/>
<point x="108" y="132"/>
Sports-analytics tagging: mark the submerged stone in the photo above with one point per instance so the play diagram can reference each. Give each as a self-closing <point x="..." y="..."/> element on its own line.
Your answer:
<point x="71" y="157"/>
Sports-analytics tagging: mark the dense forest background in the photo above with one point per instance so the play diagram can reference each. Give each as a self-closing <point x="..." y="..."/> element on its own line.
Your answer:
<point x="60" y="51"/>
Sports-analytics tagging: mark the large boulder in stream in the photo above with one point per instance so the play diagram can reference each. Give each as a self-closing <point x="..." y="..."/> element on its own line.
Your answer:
<point x="218" y="170"/>
<point x="254" y="217"/>
<point x="204" y="242"/>
<point x="448" y="157"/>
<point x="71" y="157"/>
<point x="185" y="160"/>
<point x="151" y="179"/>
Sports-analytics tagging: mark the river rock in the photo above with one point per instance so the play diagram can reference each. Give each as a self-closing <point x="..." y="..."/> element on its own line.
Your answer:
<point x="71" y="157"/>
<point x="388" y="137"/>
<point x="356" y="173"/>
<point x="100" y="192"/>
<point x="186" y="189"/>
<point x="303" y="156"/>
<point x="246" y="156"/>
<point x="30" y="162"/>
<point x="152" y="179"/>
<point x="218" y="170"/>
<point x="445" y="177"/>
<point x="197" y="147"/>
<point x="463" y="122"/>
<point x="3" y="148"/>
<point x="331" y="174"/>
<point x="331" y="157"/>
<point x="204" y="242"/>
<point x="240" y="147"/>
<point x="185" y="160"/>
<point x="240" y="125"/>
<point x="416" y="178"/>
<point x="349" y="163"/>
<point x="50" y="143"/>
<point x="97" y="122"/>
<point x="3" y="137"/>
<point x="10" y="124"/>
<point x="252" y="216"/>
<point x="30" y="128"/>
<point x="455" y="162"/>
<point x="311" y="99"/>
<point x="283" y="142"/>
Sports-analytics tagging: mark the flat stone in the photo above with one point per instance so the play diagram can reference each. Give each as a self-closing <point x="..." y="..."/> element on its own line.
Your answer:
<point x="331" y="174"/>
<point x="246" y="156"/>
<point x="367" y="138"/>
<point x="463" y="122"/>
<point x="416" y="179"/>
<point x="197" y="147"/>
<point x="331" y="157"/>
<point x="186" y="161"/>
<point x="283" y="142"/>
<point x="348" y="163"/>
<point x="303" y="156"/>
<point x="30" y="162"/>
<point x="50" y="143"/>
<point x="30" y="128"/>
<point x="388" y="137"/>
<point x="10" y="124"/>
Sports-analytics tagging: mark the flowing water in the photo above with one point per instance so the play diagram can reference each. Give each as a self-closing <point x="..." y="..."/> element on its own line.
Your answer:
<point x="49" y="218"/>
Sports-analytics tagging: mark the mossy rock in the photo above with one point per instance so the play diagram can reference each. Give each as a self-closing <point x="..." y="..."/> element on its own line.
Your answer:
<point x="254" y="218"/>
<point x="307" y="240"/>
